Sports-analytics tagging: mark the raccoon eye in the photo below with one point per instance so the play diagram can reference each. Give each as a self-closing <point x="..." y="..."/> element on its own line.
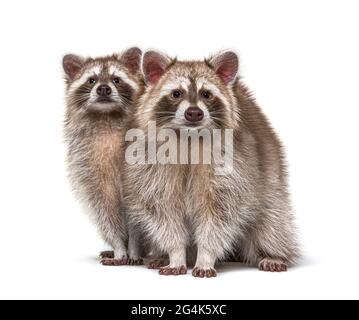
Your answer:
<point x="176" y="94"/>
<point x="206" y="94"/>
<point x="92" y="81"/>
<point x="116" y="80"/>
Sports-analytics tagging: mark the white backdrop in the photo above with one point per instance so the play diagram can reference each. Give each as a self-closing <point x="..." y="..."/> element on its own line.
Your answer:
<point x="301" y="59"/>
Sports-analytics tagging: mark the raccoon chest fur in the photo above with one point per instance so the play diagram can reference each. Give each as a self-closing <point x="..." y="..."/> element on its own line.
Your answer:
<point x="95" y="160"/>
<point x="158" y="188"/>
<point x="229" y="199"/>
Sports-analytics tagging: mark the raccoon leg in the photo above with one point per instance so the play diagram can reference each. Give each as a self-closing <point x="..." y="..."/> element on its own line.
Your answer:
<point x="204" y="267"/>
<point x="264" y="253"/>
<point x="174" y="243"/>
<point x="157" y="263"/>
<point x="167" y="234"/>
<point x="107" y="255"/>
<point x="113" y="231"/>
<point x="120" y="256"/>
<point x="212" y="237"/>
<point x="134" y="247"/>
<point x="178" y="263"/>
<point x="156" y="259"/>
<point x="274" y="245"/>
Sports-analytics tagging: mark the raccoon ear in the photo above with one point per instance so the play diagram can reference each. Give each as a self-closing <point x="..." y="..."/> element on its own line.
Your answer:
<point x="225" y="64"/>
<point x="154" y="65"/>
<point x="72" y="65"/>
<point x="131" y="59"/>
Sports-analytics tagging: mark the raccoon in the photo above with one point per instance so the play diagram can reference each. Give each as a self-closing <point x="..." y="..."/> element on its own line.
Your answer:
<point x="246" y="212"/>
<point x="100" y="92"/>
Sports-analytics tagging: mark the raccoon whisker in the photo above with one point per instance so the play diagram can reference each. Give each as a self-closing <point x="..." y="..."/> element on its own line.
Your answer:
<point x="169" y="113"/>
<point x="220" y="113"/>
<point x="160" y="112"/>
<point x="145" y="112"/>
<point x="79" y="99"/>
<point x="216" y="118"/>
<point x="166" y="118"/>
<point x="86" y="107"/>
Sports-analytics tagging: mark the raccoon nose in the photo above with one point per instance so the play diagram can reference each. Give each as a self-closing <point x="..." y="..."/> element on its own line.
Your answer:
<point x="194" y="114"/>
<point x="104" y="90"/>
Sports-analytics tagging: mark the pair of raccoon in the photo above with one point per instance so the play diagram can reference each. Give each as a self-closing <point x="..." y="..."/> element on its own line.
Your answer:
<point x="245" y="214"/>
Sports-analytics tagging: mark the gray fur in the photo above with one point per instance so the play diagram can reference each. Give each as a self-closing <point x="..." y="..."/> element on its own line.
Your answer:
<point x="94" y="135"/>
<point x="246" y="213"/>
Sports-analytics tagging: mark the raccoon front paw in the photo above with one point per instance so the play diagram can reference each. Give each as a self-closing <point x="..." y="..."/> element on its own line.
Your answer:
<point x="157" y="264"/>
<point x="272" y="265"/>
<point x="173" y="271"/>
<point x="204" y="273"/>
<point x="135" y="262"/>
<point x="114" y="262"/>
<point x="107" y="255"/>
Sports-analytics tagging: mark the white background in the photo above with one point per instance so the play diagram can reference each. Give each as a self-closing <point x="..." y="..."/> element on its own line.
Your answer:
<point x="300" y="58"/>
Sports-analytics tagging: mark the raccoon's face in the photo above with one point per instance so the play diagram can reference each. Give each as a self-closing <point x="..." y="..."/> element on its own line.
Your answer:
<point x="103" y="84"/>
<point x="190" y="94"/>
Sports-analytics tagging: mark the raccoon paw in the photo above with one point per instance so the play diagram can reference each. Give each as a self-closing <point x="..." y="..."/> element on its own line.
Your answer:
<point x="107" y="255"/>
<point x="272" y="265"/>
<point x="135" y="262"/>
<point x="156" y="264"/>
<point x="204" y="273"/>
<point x="170" y="271"/>
<point x="114" y="262"/>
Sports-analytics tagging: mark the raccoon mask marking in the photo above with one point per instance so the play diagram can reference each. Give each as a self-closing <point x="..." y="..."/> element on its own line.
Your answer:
<point x="190" y="94"/>
<point x="101" y="85"/>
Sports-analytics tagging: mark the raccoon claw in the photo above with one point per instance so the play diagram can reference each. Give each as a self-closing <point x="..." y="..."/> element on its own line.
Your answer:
<point x="135" y="262"/>
<point x="107" y="255"/>
<point x="156" y="264"/>
<point x="271" y="265"/>
<point x="114" y="262"/>
<point x="169" y="271"/>
<point x="204" y="273"/>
